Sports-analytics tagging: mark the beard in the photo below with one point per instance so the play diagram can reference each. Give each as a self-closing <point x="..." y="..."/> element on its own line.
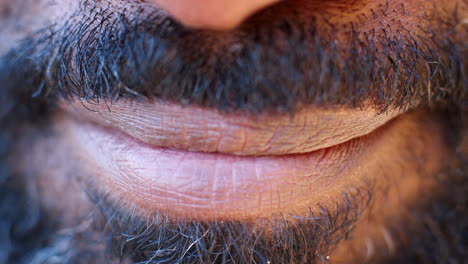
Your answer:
<point x="432" y="230"/>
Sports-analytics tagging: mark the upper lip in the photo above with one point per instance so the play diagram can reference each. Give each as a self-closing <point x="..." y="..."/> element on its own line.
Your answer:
<point x="201" y="130"/>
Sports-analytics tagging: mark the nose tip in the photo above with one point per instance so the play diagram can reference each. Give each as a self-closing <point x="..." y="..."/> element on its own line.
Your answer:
<point x="212" y="14"/>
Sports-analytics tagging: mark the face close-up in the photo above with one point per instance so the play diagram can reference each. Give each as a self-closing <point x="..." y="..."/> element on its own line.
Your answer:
<point x="245" y="131"/>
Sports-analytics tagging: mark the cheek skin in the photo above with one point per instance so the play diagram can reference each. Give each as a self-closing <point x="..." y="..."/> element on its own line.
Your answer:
<point x="54" y="175"/>
<point x="20" y="19"/>
<point x="410" y="172"/>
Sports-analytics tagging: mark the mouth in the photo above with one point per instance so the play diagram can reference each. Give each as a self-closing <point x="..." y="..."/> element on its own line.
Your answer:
<point x="192" y="162"/>
<point x="195" y="162"/>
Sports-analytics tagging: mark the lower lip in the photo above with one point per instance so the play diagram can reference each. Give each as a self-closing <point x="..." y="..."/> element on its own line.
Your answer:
<point x="215" y="186"/>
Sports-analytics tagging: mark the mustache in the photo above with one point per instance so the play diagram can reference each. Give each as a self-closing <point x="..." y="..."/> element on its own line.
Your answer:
<point x="105" y="54"/>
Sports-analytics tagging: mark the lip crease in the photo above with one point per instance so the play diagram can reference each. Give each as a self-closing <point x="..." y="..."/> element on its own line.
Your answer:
<point x="197" y="163"/>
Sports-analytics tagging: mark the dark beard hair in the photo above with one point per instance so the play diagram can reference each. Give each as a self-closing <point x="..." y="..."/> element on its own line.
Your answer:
<point x="274" y="65"/>
<point x="279" y="239"/>
<point x="434" y="230"/>
<point x="437" y="228"/>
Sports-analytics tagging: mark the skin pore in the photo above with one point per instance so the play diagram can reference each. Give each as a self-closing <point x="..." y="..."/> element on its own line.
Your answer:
<point x="401" y="201"/>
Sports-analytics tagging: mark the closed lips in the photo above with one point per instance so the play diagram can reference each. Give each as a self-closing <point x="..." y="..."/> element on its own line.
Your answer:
<point x="197" y="163"/>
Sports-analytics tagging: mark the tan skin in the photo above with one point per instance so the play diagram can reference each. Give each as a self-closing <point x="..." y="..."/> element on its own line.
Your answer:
<point x="379" y="168"/>
<point x="211" y="13"/>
